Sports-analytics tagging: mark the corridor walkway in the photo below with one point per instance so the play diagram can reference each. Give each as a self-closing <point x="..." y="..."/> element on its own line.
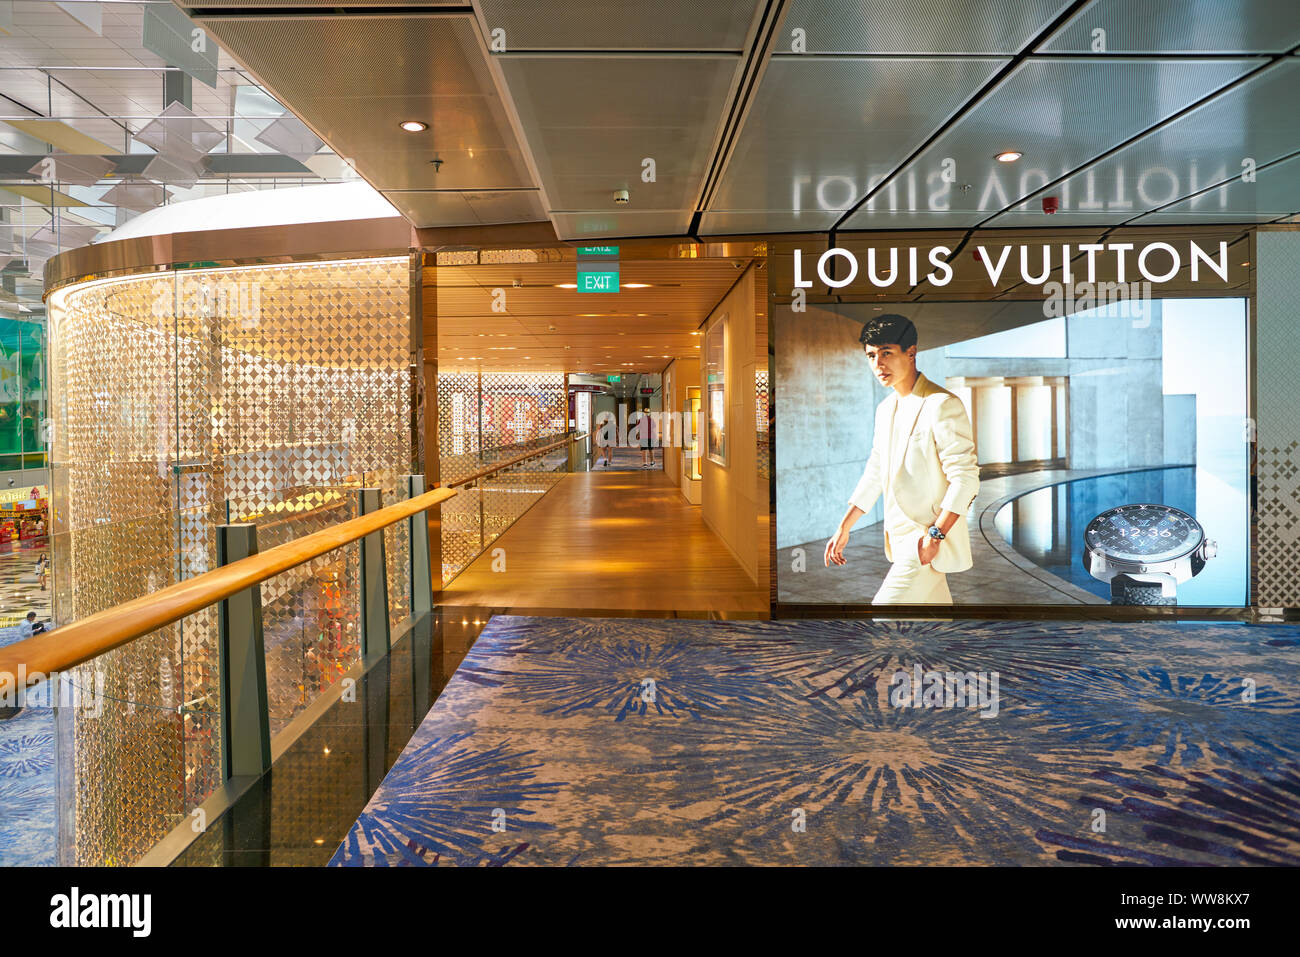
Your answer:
<point x="611" y="541"/>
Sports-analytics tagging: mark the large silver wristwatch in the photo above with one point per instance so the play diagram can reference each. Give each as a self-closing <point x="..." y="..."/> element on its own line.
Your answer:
<point x="1145" y="552"/>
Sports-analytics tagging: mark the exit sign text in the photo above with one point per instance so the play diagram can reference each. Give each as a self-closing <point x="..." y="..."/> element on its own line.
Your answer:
<point x="598" y="280"/>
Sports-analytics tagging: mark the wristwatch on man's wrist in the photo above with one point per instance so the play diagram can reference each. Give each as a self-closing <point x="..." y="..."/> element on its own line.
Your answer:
<point x="1145" y="552"/>
<point x="936" y="533"/>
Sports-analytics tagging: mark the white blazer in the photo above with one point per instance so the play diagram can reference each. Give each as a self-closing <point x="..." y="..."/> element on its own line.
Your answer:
<point x="938" y="471"/>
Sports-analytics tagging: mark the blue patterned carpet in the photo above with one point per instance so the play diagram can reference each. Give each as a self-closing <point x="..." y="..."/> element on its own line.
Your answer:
<point x="618" y="741"/>
<point x="27" y="789"/>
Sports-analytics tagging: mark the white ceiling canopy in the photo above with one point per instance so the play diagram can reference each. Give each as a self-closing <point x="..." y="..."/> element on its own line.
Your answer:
<point x="330" y="202"/>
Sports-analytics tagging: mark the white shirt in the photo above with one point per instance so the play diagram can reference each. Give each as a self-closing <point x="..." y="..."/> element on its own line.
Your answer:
<point x="905" y="413"/>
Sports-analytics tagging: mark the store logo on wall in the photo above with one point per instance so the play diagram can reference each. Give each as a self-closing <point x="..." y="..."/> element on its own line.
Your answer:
<point x="1154" y="262"/>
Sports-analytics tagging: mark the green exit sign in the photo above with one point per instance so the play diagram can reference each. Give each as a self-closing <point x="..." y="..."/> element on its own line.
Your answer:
<point x="598" y="280"/>
<point x="597" y="252"/>
<point x="613" y="379"/>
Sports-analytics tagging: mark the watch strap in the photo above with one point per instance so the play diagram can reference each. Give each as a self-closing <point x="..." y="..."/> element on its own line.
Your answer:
<point x="1126" y="591"/>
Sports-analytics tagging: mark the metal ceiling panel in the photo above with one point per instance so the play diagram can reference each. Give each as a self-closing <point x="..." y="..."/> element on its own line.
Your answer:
<point x="318" y="6"/>
<point x="168" y="33"/>
<point x="734" y="222"/>
<point x="622" y="25"/>
<point x="1180" y="26"/>
<point x="42" y="195"/>
<point x="918" y="26"/>
<point x="597" y="224"/>
<point x="821" y="129"/>
<point x="1254" y="121"/>
<point x="354" y="79"/>
<point x="1060" y="113"/>
<point x="61" y="136"/>
<point x="427" y="208"/>
<point x="592" y="122"/>
<point x="1275" y="194"/>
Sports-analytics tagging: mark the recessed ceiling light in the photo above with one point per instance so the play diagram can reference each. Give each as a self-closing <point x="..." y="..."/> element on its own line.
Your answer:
<point x="414" y="126"/>
<point x="566" y="285"/>
<point x="635" y="285"/>
<point x="1008" y="156"/>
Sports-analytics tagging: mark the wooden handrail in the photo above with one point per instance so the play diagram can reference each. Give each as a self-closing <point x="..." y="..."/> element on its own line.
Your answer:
<point x="103" y="631"/>
<point x="501" y="466"/>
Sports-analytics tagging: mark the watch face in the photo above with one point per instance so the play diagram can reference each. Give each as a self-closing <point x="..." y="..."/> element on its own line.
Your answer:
<point x="1145" y="534"/>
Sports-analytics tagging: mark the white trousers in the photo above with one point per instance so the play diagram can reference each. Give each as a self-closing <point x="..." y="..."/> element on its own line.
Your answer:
<point x="911" y="583"/>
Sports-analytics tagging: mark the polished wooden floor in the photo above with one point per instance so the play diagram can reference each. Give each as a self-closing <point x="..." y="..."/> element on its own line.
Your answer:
<point x="622" y="542"/>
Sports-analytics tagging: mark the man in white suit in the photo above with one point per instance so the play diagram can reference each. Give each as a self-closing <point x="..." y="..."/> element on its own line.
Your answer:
<point x="923" y="462"/>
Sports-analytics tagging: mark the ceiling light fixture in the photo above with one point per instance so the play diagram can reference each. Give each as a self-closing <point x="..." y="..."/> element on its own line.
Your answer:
<point x="566" y="285"/>
<point x="1008" y="156"/>
<point x="414" y="126"/>
<point x="635" y="285"/>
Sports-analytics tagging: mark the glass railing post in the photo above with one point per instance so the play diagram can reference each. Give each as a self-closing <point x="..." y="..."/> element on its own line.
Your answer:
<point x="482" y="518"/>
<point x="418" y="532"/>
<point x="374" y="581"/>
<point x="245" y="719"/>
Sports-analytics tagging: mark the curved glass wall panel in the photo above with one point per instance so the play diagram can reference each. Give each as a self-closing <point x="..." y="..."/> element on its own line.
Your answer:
<point x="187" y="399"/>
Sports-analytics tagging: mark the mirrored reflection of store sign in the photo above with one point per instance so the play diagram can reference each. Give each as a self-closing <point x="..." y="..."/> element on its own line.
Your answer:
<point x="1203" y="180"/>
<point x="597" y="268"/>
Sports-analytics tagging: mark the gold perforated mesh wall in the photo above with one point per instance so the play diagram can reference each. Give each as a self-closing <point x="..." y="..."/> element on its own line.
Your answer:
<point x="487" y="417"/>
<point x="184" y="400"/>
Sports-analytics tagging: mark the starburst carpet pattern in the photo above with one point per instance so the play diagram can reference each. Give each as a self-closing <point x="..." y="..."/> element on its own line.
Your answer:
<point x="617" y="741"/>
